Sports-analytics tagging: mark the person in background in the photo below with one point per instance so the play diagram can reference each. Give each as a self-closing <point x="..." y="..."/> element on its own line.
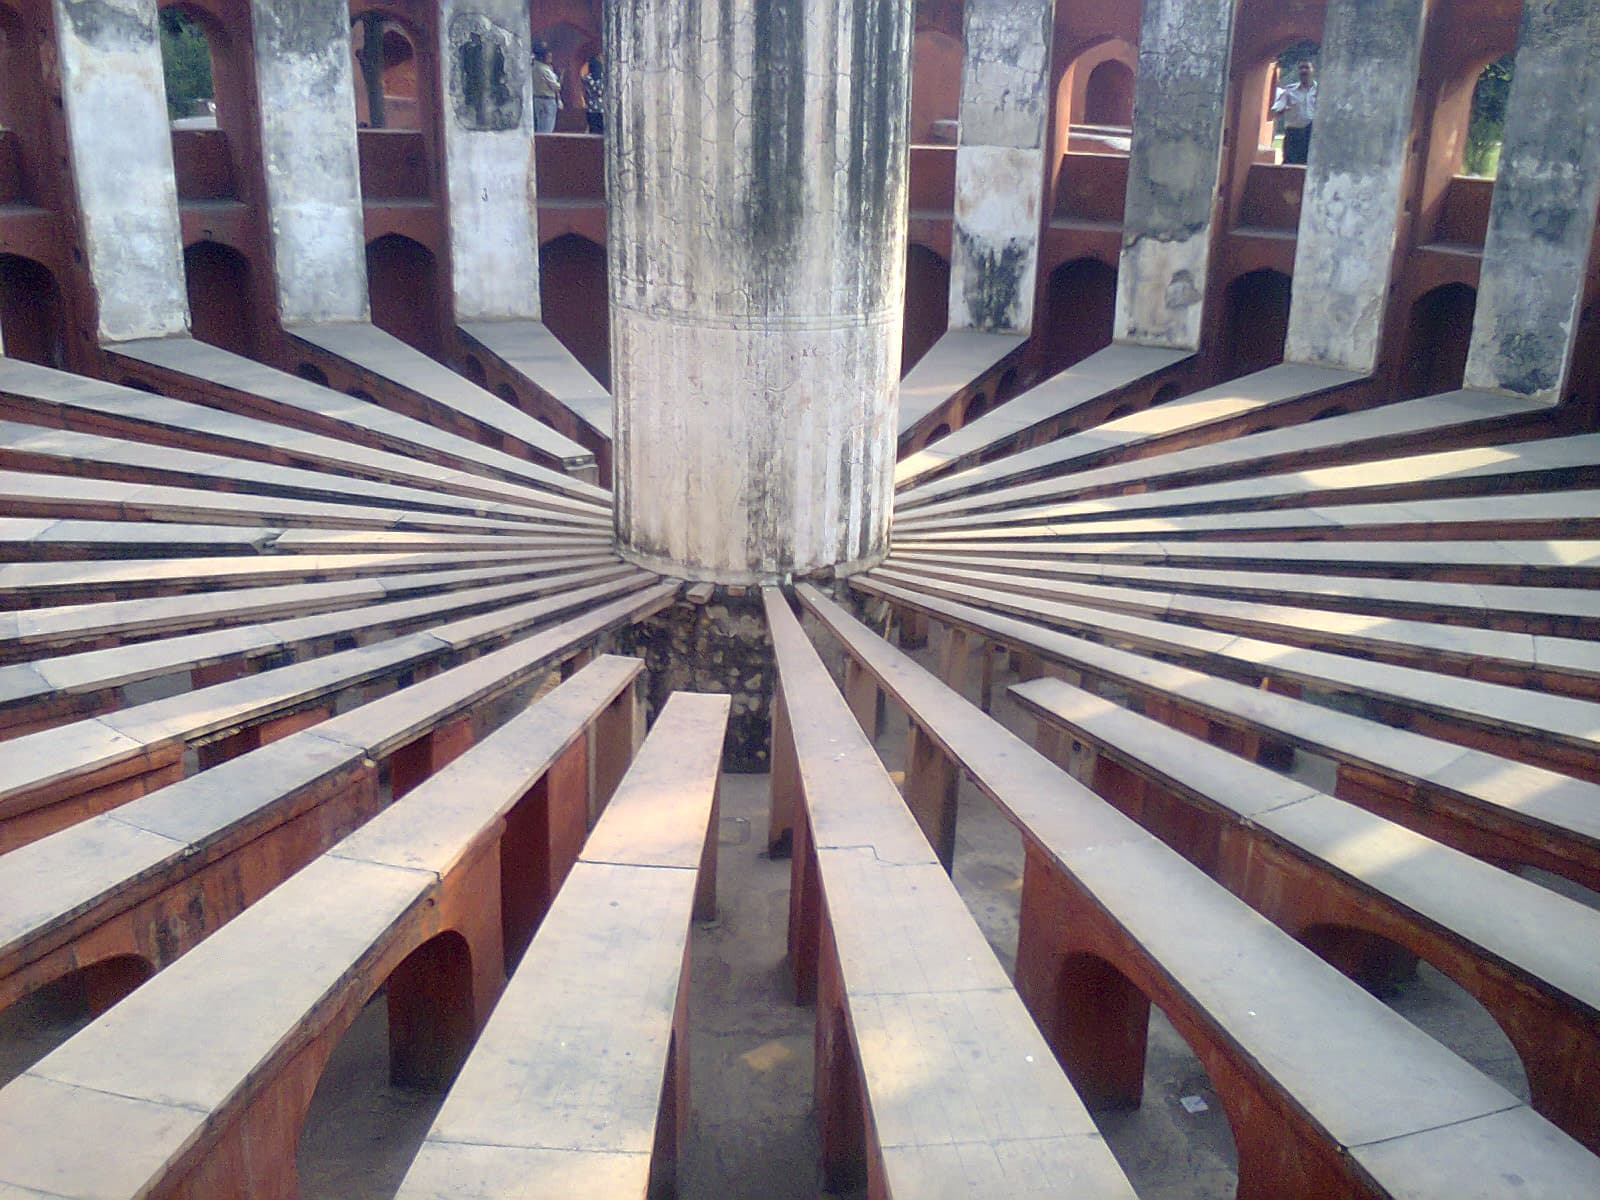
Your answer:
<point x="1298" y="104"/>
<point x="594" y="92"/>
<point x="546" y="90"/>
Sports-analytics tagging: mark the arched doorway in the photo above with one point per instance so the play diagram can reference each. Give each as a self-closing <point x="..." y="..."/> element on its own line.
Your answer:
<point x="403" y="286"/>
<point x="31" y="323"/>
<point x="1438" y="338"/>
<point x="927" y="313"/>
<point x="1256" y="322"/>
<point x="574" y="300"/>
<point x="219" y="296"/>
<point x="1108" y="96"/>
<point x="1080" y="308"/>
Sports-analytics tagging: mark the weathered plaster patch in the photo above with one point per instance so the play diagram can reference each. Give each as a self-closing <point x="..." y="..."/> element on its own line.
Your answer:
<point x="304" y="80"/>
<point x="489" y="161"/>
<point x="995" y="251"/>
<point x="1352" y="203"/>
<point x="1160" y="290"/>
<point x="1174" y="160"/>
<point x="121" y="146"/>
<point x="1542" y="219"/>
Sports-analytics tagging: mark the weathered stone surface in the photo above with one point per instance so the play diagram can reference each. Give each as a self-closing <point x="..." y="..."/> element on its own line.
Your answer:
<point x="1350" y="213"/>
<point x="305" y="85"/>
<point x="718" y="646"/>
<point x="1543" y="215"/>
<point x="1184" y="48"/>
<point x="121" y="148"/>
<point x="756" y="181"/>
<point x="1005" y="97"/>
<point x="488" y="147"/>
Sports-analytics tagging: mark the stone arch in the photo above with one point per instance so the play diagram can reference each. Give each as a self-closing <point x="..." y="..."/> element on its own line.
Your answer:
<point x="1108" y="1037"/>
<point x="403" y="287"/>
<point x="32" y="316"/>
<point x="927" y="311"/>
<point x="1438" y="338"/>
<point x="219" y="286"/>
<point x="411" y="1037"/>
<point x="1072" y="79"/>
<point x="575" y="301"/>
<point x="1108" y="95"/>
<point x="1255" y="321"/>
<point x="1079" y="311"/>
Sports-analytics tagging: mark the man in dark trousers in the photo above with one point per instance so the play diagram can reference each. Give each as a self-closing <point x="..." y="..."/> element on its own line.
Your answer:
<point x="1298" y="104"/>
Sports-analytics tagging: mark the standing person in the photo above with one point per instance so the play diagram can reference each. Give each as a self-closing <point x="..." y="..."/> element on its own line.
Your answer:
<point x="594" y="93"/>
<point x="1298" y="104"/>
<point x="546" y="90"/>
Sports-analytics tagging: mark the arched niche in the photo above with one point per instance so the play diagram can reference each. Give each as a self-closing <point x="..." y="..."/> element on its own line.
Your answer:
<point x="1079" y="310"/>
<point x="219" y="285"/>
<point x="927" y="312"/>
<point x="575" y="302"/>
<point x="1255" y="322"/>
<point x="403" y="287"/>
<point x="32" y="316"/>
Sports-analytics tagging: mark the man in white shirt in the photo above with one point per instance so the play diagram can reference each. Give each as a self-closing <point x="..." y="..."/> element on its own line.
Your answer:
<point x="1298" y="104"/>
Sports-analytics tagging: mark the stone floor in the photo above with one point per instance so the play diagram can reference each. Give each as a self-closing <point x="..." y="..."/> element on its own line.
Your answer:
<point x="751" y="1133"/>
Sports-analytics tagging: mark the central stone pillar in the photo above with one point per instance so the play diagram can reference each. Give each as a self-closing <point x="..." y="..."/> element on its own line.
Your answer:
<point x="756" y="165"/>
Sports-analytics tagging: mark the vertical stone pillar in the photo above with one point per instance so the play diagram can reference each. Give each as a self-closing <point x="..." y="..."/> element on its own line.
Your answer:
<point x="1542" y="220"/>
<point x="1179" y="103"/>
<point x="308" y="147"/>
<point x="488" y="150"/>
<point x="120" y="141"/>
<point x="1005" y="100"/>
<point x="1355" y="182"/>
<point x="756" y="190"/>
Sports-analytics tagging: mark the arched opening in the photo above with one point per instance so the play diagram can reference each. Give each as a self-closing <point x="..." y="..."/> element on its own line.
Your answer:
<point x="47" y="1016"/>
<point x="403" y="286"/>
<point x="1080" y="308"/>
<point x="1108" y="95"/>
<point x="927" y="313"/>
<point x="939" y="431"/>
<point x="384" y="1082"/>
<point x="935" y="87"/>
<point x="574" y="300"/>
<point x="1256" y="322"/>
<point x="1438" y="339"/>
<point x="386" y="73"/>
<point x="1425" y="996"/>
<point x="32" y="321"/>
<point x="1141" y="1081"/>
<point x="977" y="404"/>
<point x="313" y="373"/>
<point x="473" y="370"/>
<point x="509" y="394"/>
<point x="1165" y="394"/>
<point x="218" y="279"/>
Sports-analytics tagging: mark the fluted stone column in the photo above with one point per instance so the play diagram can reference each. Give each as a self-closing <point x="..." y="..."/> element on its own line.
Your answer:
<point x="1542" y="220"/>
<point x="756" y="180"/>
<point x="1355" y="182"/>
<point x="304" y="79"/>
<point x="121" y="146"/>
<point x="1178" y="110"/>
<point x="1005" y="98"/>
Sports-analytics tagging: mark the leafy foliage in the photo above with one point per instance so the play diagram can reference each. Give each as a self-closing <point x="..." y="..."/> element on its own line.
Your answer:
<point x="186" y="63"/>
<point x="1488" y="121"/>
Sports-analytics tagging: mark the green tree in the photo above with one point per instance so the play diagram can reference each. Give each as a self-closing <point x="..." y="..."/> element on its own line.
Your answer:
<point x="185" y="61"/>
<point x="1487" y="125"/>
